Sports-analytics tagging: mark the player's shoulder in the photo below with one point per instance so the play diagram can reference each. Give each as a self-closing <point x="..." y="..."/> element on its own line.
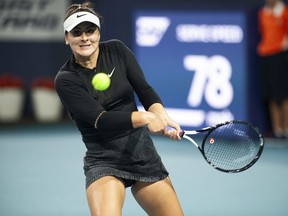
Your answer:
<point x="67" y="72"/>
<point x="112" y="44"/>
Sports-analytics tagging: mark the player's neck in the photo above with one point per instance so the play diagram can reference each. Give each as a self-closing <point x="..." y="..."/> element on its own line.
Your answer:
<point x="88" y="62"/>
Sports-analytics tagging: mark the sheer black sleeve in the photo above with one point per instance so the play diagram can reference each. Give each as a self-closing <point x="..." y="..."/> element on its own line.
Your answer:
<point x="146" y="94"/>
<point x="84" y="108"/>
<point x="75" y="98"/>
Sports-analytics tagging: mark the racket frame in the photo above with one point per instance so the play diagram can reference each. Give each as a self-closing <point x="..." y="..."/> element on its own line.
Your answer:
<point x="210" y="129"/>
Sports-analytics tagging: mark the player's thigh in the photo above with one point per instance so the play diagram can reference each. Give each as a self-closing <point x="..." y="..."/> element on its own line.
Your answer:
<point x="106" y="196"/>
<point x="157" y="198"/>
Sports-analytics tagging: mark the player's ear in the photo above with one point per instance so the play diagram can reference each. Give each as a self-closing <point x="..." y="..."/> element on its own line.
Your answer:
<point x="66" y="40"/>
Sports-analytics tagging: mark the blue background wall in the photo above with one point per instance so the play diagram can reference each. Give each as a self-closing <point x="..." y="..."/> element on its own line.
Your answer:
<point x="33" y="59"/>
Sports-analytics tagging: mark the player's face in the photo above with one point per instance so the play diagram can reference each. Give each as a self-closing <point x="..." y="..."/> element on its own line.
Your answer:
<point x="83" y="39"/>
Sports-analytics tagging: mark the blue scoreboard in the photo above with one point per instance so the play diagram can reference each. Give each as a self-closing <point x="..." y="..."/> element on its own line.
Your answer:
<point x="196" y="61"/>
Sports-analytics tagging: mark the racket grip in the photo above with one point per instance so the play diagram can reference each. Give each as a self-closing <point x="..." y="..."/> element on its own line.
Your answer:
<point x="181" y="134"/>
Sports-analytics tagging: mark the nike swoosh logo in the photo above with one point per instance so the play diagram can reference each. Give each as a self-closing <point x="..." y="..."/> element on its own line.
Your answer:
<point x="110" y="74"/>
<point x="80" y="15"/>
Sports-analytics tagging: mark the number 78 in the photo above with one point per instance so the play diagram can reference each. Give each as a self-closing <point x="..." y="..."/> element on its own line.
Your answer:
<point x="211" y="80"/>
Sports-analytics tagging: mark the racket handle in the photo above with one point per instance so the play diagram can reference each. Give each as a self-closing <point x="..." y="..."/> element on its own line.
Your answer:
<point x="181" y="134"/>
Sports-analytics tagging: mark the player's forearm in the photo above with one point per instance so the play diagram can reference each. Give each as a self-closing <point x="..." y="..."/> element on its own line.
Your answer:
<point x="157" y="109"/>
<point x="124" y="120"/>
<point x="161" y="112"/>
<point x="141" y="119"/>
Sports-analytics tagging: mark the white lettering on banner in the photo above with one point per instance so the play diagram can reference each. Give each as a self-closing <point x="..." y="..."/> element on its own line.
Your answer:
<point x="185" y="117"/>
<point x="211" y="80"/>
<point x="32" y="20"/>
<point x="216" y="117"/>
<point x="209" y="33"/>
<point x="195" y="118"/>
<point x="150" y="30"/>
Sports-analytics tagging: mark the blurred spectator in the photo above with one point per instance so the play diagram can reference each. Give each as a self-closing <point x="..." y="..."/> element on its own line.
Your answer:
<point x="273" y="26"/>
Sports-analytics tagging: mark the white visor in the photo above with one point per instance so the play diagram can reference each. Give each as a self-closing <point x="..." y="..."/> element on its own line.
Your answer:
<point x="78" y="18"/>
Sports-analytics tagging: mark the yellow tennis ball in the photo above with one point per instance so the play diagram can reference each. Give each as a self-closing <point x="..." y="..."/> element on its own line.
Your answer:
<point x="101" y="81"/>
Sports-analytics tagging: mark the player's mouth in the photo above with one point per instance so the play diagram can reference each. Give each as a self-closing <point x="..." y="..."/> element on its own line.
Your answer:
<point x="84" y="46"/>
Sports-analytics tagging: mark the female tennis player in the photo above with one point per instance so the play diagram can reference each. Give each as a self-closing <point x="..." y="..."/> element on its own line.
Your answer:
<point x="120" y="153"/>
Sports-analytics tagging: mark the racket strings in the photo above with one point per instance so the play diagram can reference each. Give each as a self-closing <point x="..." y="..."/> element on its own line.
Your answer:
<point x="232" y="146"/>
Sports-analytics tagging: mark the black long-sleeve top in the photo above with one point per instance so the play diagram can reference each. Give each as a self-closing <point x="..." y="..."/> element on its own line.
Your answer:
<point x="113" y="142"/>
<point x="74" y="86"/>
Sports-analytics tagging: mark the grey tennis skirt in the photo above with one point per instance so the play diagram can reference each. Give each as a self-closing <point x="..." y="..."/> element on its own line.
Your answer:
<point x="129" y="179"/>
<point x="132" y="158"/>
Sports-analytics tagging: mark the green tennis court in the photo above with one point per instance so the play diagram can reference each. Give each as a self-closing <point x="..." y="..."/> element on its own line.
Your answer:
<point x="42" y="175"/>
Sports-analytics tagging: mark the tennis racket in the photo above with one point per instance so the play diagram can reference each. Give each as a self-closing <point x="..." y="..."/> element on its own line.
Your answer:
<point x="232" y="146"/>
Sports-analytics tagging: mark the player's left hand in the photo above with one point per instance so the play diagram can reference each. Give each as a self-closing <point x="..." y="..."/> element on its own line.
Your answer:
<point x="172" y="134"/>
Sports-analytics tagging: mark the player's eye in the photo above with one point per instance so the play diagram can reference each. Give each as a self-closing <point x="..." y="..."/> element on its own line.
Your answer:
<point x="90" y="31"/>
<point x="76" y="33"/>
